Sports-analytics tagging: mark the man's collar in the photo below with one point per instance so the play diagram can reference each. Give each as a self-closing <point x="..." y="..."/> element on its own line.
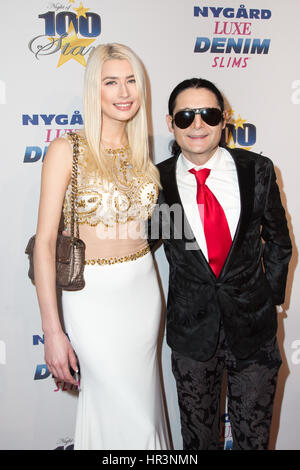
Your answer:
<point x="212" y="163"/>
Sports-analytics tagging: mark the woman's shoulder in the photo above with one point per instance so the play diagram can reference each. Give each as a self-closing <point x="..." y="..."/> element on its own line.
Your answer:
<point x="68" y="140"/>
<point x="59" y="153"/>
<point x="65" y="145"/>
<point x="71" y="137"/>
<point x="60" y="144"/>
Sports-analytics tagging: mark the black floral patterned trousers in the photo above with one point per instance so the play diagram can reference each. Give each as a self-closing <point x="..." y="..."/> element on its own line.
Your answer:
<point x="251" y="386"/>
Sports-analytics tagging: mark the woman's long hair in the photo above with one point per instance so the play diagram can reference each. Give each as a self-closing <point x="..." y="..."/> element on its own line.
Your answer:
<point x="137" y="127"/>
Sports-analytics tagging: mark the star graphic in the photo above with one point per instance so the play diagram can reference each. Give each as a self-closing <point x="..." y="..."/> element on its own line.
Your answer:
<point x="72" y="46"/>
<point x="239" y="122"/>
<point x="81" y="11"/>
<point x="230" y="113"/>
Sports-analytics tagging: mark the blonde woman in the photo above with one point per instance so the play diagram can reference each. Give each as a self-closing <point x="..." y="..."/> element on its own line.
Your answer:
<point x="113" y="322"/>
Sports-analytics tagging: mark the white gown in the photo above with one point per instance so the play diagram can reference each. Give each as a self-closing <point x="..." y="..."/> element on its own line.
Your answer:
<point x="113" y="323"/>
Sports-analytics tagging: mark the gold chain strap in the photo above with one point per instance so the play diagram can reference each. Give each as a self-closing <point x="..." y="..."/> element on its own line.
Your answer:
<point x="74" y="213"/>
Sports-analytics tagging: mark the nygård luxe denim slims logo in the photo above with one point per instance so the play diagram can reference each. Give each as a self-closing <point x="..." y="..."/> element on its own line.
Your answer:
<point x="233" y="32"/>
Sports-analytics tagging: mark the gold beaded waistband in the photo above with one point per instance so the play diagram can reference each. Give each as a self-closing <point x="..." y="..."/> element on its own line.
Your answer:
<point x="118" y="259"/>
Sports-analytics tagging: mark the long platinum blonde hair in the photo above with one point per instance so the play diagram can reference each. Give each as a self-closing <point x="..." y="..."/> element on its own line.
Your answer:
<point x="137" y="127"/>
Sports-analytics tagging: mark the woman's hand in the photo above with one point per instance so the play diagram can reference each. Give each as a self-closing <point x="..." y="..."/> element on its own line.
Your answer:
<point x="60" y="356"/>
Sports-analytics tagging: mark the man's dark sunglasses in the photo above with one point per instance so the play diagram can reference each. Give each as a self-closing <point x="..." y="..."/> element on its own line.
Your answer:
<point x="211" y="116"/>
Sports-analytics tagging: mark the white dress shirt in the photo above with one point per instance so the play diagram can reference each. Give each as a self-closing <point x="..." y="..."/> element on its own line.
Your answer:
<point x="223" y="183"/>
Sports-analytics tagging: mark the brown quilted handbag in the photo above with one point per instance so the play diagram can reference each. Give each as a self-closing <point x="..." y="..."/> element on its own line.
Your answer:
<point x="70" y="250"/>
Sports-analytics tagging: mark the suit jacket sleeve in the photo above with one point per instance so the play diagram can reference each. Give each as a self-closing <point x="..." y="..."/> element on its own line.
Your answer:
<point x="277" y="247"/>
<point x="154" y="228"/>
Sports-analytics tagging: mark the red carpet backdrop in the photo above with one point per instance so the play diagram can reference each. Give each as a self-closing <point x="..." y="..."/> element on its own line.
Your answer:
<point x="249" y="50"/>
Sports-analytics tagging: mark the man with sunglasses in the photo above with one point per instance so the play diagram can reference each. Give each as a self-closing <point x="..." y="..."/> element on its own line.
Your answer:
<point x="228" y="248"/>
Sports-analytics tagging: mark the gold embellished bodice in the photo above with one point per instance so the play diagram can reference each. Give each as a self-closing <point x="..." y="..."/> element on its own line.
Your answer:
<point x="111" y="214"/>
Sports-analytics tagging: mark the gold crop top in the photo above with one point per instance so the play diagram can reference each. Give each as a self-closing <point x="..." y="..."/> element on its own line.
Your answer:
<point x="111" y="214"/>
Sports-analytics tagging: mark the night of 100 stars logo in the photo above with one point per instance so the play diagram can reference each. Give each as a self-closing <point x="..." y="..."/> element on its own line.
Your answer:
<point x="239" y="132"/>
<point x="69" y="30"/>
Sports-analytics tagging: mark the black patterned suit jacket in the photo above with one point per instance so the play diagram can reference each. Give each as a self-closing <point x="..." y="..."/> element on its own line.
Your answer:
<point x="253" y="279"/>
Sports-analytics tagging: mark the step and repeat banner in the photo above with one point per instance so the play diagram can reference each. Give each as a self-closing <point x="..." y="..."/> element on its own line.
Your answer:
<point x="249" y="50"/>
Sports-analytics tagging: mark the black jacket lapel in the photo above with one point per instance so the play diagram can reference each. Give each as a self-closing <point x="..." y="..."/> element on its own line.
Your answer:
<point x="246" y="179"/>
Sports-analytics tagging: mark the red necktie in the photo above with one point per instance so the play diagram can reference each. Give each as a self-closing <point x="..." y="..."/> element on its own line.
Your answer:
<point x="216" y="230"/>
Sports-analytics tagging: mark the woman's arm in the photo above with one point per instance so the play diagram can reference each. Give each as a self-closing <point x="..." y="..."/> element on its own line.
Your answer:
<point x="56" y="175"/>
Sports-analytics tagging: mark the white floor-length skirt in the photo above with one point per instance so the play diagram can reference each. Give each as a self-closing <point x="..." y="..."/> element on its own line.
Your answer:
<point x="113" y="325"/>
